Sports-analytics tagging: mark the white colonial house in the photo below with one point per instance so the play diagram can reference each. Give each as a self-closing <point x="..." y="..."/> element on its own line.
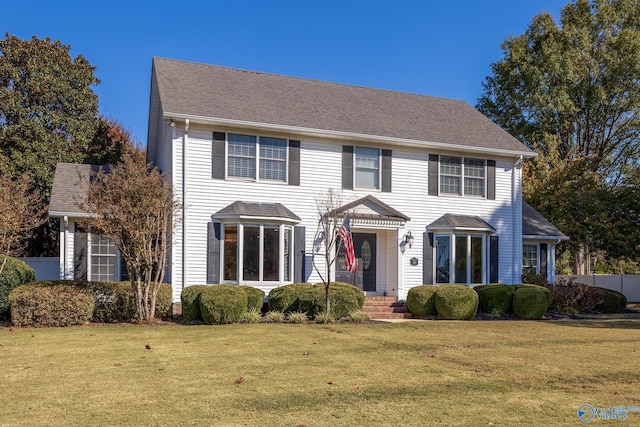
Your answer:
<point x="433" y="187"/>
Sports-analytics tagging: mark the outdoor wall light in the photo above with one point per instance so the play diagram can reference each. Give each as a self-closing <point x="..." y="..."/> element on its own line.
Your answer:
<point x="408" y="239"/>
<point x="172" y="123"/>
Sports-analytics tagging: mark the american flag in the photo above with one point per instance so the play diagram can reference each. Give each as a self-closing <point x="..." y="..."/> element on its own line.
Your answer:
<point x="347" y="240"/>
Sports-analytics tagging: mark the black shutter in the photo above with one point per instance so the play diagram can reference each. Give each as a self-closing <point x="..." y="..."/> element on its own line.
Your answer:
<point x="294" y="162"/>
<point x="80" y="258"/>
<point x="433" y="175"/>
<point x="347" y="167"/>
<point x="213" y="252"/>
<point x="543" y="261"/>
<point x="427" y="259"/>
<point x="491" y="179"/>
<point x="299" y="275"/>
<point x="218" y="155"/>
<point x="386" y="171"/>
<point x="493" y="259"/>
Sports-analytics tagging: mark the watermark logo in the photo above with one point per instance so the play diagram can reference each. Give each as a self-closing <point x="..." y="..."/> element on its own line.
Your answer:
<point x="587" y="412"/>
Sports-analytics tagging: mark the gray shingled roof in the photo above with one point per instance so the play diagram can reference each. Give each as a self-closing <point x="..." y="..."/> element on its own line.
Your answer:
<point x="218" y="94"/>
<point x="461" y="222"/>
<point x="535" y="225"/>
<point x="67" y="193"/>
<point x="256" y="210"/>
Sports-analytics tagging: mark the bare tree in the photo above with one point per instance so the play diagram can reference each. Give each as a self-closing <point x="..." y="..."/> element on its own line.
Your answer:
<point x="132" y="204"/>
<point x="19" y="215"/>
<point x="327" y="237"/>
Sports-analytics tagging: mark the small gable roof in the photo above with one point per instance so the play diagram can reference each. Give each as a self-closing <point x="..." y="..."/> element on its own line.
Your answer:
<point x="535" y="226"/>
<point x="239" y="209"/>
<point x="67" y="192"/>
<point x="370" y="208"/>
<point x="460" y="222"/>
<point x="233" y="97"/>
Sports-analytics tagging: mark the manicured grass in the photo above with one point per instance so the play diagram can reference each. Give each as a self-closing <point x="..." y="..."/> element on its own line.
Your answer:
<point x="502" y="373"/>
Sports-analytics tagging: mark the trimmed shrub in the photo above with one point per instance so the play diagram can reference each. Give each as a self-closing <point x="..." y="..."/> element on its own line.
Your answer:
<point x="222" y="304"/>
<point x="456" y="302"/>
<point x="343" y="299"/>
<point x="190" y="298"/>
<point x="569" y="296"/>
<point x="285" y="298"/>
<point x="530" y="301"/>
<point x="58" y="305"/>
<point x="495" y="299"/>
<point x="255" y="298"/>
<point x="613" y="301"/>
<point x="14" y="274"/>
<point x="420" y="301"/>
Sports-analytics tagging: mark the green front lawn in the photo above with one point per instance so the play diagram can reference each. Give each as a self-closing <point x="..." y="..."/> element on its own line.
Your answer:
<point x="502" y="373"/>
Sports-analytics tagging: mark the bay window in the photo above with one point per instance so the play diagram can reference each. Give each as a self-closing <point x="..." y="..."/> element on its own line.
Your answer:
<point x="460" y="258"/>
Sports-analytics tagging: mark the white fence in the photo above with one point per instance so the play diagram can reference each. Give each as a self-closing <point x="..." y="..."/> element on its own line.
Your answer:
<point x="627" y="284"/>
<point x="46" y="268"/>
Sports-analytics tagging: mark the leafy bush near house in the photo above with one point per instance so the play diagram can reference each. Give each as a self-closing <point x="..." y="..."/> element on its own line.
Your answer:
<point x="456" y="302"/>
<point x="343" y="299"/>
<point x="190" y="298"/>
<point x="255" y="298"/>
<point x="222" y="304"/>
<point x="57" y="305"/>
<point x="569" y="296"/>
<point x="612" y="301"/>
<point x="495" y="299"/>
<point x="530" y="301"/>
<point x="420" y="301"/>
<point x="14" y="274"/>
<point x="286" y="298"/>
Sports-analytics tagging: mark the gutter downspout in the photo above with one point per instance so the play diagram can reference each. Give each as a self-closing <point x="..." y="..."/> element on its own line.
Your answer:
<point x="184" y="203"/>
<point x="517" y="243"/>
<point x="65" y="246"/>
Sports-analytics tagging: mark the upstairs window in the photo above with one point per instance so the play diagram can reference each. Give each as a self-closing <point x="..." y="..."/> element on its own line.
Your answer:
<point x="462" y="176"/>
<point x="248" y="153"/>
<point x="367" y="167"/>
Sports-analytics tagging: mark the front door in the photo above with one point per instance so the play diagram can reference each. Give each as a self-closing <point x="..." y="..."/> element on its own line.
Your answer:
<point x="364" y="247"/>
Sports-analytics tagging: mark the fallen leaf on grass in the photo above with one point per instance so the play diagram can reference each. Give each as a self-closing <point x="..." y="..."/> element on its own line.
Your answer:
<point x="331" y="383"/>
<point x="117" y="364"/>
<point x="160" y="369"/>
<point x="148" y="347"/>
<point x="92" y="335"/>
<point x="240" y="380"/>
<point x="306" y="353"/>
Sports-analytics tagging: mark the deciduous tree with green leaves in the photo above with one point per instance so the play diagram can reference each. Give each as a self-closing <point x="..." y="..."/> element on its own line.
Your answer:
<point x="571" y="91"/>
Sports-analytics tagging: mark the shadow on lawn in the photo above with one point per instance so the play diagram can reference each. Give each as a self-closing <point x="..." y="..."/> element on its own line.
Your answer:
<point x="592" y="323"/>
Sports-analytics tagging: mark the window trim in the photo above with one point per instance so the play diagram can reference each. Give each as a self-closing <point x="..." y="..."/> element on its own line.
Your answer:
<point x="261" y="225"/>
<point x="537" y="266"/>
<point x="378" y="186"/>
<point x="462" y="177"/>
<point x="90" y="255"/>
<point x="257" y="159"/>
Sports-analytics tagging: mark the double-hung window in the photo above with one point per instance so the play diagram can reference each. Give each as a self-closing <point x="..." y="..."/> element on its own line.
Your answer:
<point x="530" y="259"/>
<point x="104" y="260"/>
<point x="247" y="154"/>
<point x="462" y="176"/>
<point x="367" y="167"/>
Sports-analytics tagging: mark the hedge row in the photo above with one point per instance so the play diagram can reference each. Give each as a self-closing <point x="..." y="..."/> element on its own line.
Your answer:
<point x="14" y="274"/>
<point x="344" y="299"/>
<point x="62" y="303"/>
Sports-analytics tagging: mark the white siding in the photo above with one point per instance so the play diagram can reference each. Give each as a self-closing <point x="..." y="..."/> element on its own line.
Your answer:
<point x="321" y="163"/>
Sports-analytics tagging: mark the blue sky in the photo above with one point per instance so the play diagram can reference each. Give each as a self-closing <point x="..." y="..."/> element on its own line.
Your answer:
<point x="438" y="48"/>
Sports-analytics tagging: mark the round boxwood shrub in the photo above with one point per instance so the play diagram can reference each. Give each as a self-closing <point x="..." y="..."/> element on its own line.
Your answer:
<point x="613" y="301"/>
<point x="14" y="274"/>
<point x="344" y="298"/>
<point x="420" y="301"/>
<point x="190" y="298"/>
<point x="285" y="298"/>
<point x="456" y="302"/>
<point x="255" y="298"/>
<point x="530" y="301"/>
<point x="222" y="304"/>
<point x="495" y="299"/>
<point x="58" y="305"/>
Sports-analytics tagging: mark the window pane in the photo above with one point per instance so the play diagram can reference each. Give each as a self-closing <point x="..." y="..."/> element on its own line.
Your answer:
<point x="450" y="185"/>
<point x="443" y="256"/>
<point x="450" y="165"/>
<point x="241" y="159"/>
<point x="273" y="158"/>
<point x="476" y="259"/>
<point x="271" y="261"/>
<point x="287" y="254"/>
<point x="450" y="175"/>
<point x="474" y="187"/>
<point x="530" y="258"/>
<point x="103" y="266"/>
<point x="474" y="177"/>
<point x="251" y="253"/>
<point x="367" y="167"/>
<point x="474" y="168"/>
<point x="461" y="259"/>
<point x="230" y="268"/>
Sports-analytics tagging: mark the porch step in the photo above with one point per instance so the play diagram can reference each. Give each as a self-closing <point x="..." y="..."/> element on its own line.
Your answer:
<point x="385" y="308"/>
